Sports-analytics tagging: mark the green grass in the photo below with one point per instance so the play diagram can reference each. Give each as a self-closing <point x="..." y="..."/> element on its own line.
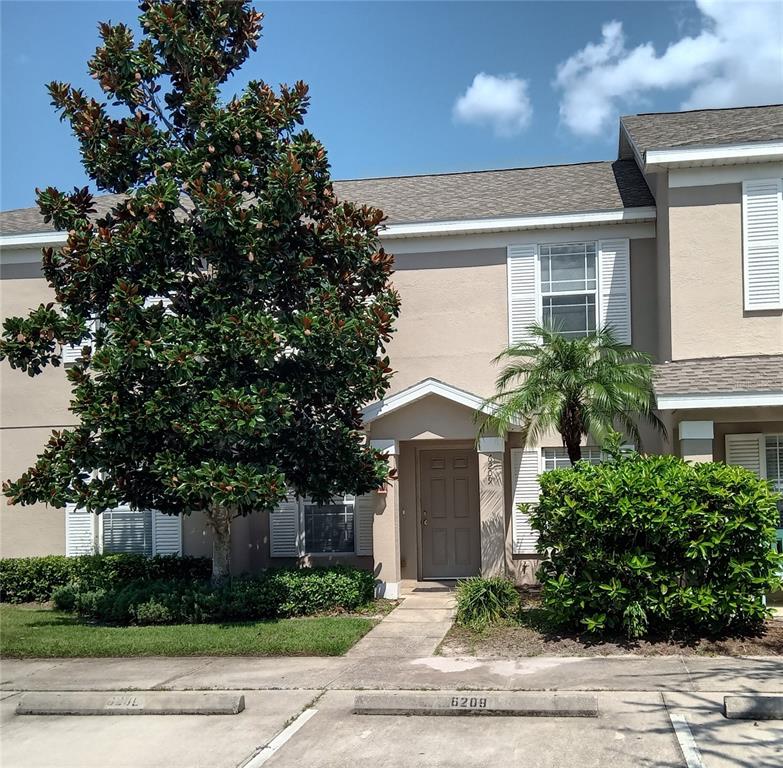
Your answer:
<point x="33" y="631"/>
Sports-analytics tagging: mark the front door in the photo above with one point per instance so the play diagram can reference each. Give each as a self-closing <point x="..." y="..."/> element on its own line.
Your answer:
<point x="449" y="514"/>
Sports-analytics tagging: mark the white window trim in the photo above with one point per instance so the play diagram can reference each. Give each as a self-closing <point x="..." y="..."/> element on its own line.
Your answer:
<point x="303" y="550"/>
<point x="541" y="294"/>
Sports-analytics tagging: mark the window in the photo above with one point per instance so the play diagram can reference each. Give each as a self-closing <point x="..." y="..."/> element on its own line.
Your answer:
<point x="569" y="287"/>
<point x="557" y="458"/>
<point x="329" y="528"/>
<point x="127" y="530"/>
<point x="773" y="445"/>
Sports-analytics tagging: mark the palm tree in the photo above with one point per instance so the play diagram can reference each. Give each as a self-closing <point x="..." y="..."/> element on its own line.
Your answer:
<point x="592" y="384"/>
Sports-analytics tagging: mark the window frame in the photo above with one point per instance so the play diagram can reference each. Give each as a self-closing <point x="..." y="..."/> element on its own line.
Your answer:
<point x="542" y="295"/>
<point x="124" y="508"/>
<point x="590" y="448"/>
<point x="305" y="550"/>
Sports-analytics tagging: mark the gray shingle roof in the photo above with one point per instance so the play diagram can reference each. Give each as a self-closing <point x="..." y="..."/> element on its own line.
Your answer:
<point x="704" y="127"/>
<point x="514" y="192"/>
<point x="759" y="373"/>
<point x="453" y="196"/>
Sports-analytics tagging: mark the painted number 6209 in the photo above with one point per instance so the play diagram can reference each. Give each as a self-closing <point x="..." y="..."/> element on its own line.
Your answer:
<point x="468" y="702"/>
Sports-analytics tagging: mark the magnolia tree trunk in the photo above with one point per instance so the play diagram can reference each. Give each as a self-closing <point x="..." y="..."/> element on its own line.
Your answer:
<point x="220" y="522"/>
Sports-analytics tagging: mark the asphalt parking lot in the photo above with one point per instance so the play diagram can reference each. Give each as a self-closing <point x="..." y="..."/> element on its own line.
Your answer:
<point x="633" y="730"/>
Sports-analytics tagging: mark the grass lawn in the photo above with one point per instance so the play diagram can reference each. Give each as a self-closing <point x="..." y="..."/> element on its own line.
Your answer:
<point x="533" y="636"/>
<point x="34" y="631"/>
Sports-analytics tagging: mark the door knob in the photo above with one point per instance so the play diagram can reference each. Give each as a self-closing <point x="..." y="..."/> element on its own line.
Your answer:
<point x="424" y="520"/>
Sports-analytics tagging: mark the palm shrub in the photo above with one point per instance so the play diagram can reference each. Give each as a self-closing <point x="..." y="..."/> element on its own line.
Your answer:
<point x="589" y="385"/>
<point x="485" y="601"/>
<point x="653" y="545"/>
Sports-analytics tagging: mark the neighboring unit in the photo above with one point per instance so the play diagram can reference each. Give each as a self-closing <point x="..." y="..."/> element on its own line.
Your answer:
<point x="677" y="245"/>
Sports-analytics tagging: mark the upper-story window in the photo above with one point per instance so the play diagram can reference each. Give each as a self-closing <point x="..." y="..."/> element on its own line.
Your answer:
<point x="572" y="287"/>
<point x="569" y="288"/>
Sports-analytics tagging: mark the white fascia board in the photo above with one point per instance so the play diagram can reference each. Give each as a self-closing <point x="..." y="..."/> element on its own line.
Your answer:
<point x="709" y="175"/>
<point x="722" y="400"/>
<point x="514" y="223"/>
<point x="418" y="392"/>
<point x="33" y="239"/>
<point x="730" y="153"/>
<point x="448" y="244"/>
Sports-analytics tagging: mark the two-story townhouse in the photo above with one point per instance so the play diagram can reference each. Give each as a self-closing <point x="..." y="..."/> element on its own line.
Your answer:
<point x="677" y="244"/>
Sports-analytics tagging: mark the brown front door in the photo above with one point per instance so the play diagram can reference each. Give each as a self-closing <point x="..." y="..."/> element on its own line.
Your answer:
<point x="449" y="514"/>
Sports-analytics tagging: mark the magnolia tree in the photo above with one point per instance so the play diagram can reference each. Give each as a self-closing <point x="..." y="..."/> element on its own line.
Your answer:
<point x="232" y="312"/>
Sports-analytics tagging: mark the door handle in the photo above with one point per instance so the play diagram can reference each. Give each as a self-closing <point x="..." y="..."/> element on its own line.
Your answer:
<point x="424" y="520"/>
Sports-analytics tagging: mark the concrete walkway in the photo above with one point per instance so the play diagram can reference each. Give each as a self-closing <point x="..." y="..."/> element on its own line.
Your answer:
<point x="542" y="673"/>
<point x="412" y="630"/>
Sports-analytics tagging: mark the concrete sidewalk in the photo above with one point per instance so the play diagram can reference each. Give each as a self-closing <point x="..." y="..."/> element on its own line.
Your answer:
<point x="413" y="629"/>
<point x="543" y="673"/>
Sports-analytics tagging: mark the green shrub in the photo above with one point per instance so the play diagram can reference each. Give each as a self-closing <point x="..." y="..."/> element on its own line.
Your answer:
<point x="653" y="545"/>
<point x="34" y="579"/>
<point x="485" y="601"/>
<point x="277" y="593"/>
<point x="64" y="597"/>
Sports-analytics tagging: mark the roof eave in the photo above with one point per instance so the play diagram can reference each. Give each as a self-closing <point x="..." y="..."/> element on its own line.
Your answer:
<point x="518" y="223"/>
<point x="727" y="154"/>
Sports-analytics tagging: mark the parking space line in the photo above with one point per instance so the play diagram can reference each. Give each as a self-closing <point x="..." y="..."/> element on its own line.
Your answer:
<point x="687" y="743"/>
<point x="280" y="740"/>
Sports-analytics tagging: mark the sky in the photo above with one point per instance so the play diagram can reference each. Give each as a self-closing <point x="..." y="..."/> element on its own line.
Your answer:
<point x="423" y="87"/>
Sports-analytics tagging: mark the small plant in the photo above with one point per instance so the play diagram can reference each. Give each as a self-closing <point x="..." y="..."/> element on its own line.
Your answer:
<point x="482" y="602"/>
<point x="634" y="621"/>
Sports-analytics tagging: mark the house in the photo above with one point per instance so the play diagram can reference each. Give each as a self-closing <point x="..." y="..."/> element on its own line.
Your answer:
<point x="677" y="244"/>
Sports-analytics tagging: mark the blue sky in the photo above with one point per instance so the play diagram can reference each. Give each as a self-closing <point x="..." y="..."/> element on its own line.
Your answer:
<point x="416" y="87"/>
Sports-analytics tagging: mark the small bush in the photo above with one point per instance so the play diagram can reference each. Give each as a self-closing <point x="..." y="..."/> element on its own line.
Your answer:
<point x="485" y="601"/>
<point x="34" y="579"/>
<point x="653" y="545"/>
<point x="277" y="593"/>
<point x="64" y="597"/>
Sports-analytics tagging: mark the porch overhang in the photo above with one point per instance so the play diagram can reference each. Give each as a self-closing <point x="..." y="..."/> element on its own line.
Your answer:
<point x="419" y="391"/>
<point x="754" y="381"/>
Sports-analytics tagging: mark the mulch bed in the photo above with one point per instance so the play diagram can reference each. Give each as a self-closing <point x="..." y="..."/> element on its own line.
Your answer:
<point x="531" y="637"/>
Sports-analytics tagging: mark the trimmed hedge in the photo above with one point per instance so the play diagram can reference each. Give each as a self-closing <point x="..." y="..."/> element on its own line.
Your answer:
<point x="277" y="593"/>
<point x="34" y="579"/>
<point x="652" y="545"/>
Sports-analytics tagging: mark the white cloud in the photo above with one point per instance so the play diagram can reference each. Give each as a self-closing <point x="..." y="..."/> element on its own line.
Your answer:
<point x="735" y="60"/>
<point x="500" y="101"/>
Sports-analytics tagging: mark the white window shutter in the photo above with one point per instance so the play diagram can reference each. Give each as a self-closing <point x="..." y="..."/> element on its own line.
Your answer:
<point x="525" y="468"/>
<point x="166" y="534"/>
<point x="73" y="352"/>
<point x="79" y="531"/>
<point x="614" y="274"/>
<point x="363" y="516"/>
<point x="285" y="538"/>
<point x="762" y="243"/>
<point x="747" y="451"/>
<point x="523" y="294"/>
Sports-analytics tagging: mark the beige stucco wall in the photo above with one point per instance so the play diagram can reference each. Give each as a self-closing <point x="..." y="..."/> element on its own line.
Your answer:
<point x="705" y="250"/>
<point x="30" y="407"/>
<point x="453" y="318"/>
